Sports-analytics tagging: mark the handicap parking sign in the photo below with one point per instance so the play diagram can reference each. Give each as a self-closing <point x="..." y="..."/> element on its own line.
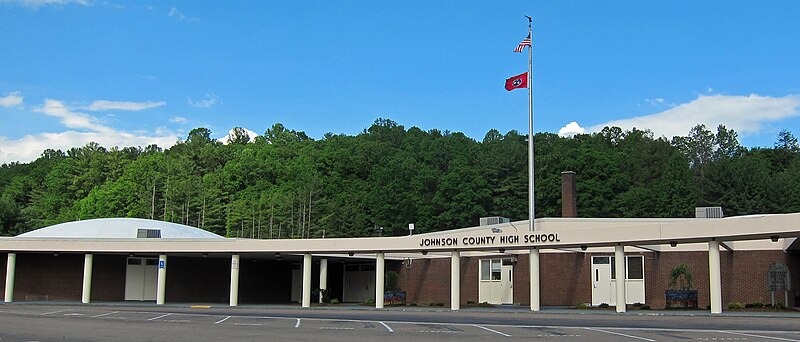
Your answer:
<point x="161" y="264"/>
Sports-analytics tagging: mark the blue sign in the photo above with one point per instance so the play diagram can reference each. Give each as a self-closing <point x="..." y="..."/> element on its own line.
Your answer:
<point x="161" y="264"/>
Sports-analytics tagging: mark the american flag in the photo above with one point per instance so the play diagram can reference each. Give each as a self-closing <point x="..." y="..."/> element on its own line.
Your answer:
<point x="525" y="42"/>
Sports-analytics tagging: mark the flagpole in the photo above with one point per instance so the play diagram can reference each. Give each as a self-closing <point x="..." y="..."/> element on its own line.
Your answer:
<point x="531" y="197"/>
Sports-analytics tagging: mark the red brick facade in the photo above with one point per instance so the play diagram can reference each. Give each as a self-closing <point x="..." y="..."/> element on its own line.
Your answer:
<point x="566" y="277"/>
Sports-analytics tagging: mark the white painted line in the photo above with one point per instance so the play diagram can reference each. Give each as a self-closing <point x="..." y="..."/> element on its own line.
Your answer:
<point x="336" y="328"/>
<point x="176" y="320"/>
<point x="54" y="312"/>
<point x="105" y="314"/>
<point x="248" y="324"/>
<point x="162" y="316"/>
<point x="222" y="320"/>
<point x="116" y="318"/>
<point x="492" y="330"/>
<point x="73" y="314"/>
<point x="621" y="334"/>
<point x="387" y="327"/>
<point x="297" y="325"/>
<point x="761" y="336"/>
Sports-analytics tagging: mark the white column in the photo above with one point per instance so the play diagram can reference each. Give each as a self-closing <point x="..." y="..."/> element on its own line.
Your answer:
<point x="534" y="275"/>
<point x="714" y="278"/>
<point x="306" y="280"/>
<point x="161" y="290"/>
<point x="380" y="260"/>
<point x="87" y="278"/>
<point x="11" y="267"/>
<point x="234" y="300"/>
<point x="455" y="281"/>
<point x="619" y="264"/>
<point x="323" y="277"/>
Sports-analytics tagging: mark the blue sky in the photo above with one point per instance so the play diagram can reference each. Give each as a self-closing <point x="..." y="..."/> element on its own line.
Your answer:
<point x="138" y="72"/>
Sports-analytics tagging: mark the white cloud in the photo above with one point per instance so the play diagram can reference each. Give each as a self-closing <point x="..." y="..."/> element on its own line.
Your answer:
<point x="178" y="120"/>
<point x="744" y="114"/>
<point x="174" y="12"/>
<point x="30" y="147"/>
<point x="69" y="118"/>
<point x="12" y="99"/>
<point x="38" y="3"/>
<point x="210" y="100"/>
<point x="654" y="102"/>
<point x="571" y="129"/>
<point x="227" y="138"/>
<point x="100" y="105"/>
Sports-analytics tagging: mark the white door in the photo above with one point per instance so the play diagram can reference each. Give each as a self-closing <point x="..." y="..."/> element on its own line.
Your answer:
<point x="297" y="285"/>
<point x="507" y="283"/>
<point x="150" y="279"/>
<point x="358" y="283"/>
<point x="601" y="281"/>
<point x="141" y="278"/>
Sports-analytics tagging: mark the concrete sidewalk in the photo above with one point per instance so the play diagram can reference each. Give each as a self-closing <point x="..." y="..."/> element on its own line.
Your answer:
<point x="545" y="310"/>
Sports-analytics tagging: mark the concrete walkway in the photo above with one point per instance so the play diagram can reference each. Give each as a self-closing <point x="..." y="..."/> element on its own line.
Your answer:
<point x="562" y="310"/>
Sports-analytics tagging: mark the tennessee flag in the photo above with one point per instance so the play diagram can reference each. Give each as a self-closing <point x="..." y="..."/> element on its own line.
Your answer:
<point x="519" y="81"/>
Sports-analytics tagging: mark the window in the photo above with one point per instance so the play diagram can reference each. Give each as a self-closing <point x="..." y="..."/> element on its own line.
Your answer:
<point x="148" y="233"/>
<point x="635" y="267"/>
<point x="490" y="269"/>
<point x="134" y="261"/>
<point x="485" y="269"/>
<point x="495" y="269"/>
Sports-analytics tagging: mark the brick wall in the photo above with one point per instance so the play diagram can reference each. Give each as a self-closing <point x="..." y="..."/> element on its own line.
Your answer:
<point x="108" y="277"/>
<point x="4" y="263"/>
<point x="42" y="276"/>
<point x="566" y="277"/>
<point x="203" y="280"/>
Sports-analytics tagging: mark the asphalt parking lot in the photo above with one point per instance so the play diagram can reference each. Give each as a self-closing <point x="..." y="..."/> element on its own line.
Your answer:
<point x="143" y="323"/>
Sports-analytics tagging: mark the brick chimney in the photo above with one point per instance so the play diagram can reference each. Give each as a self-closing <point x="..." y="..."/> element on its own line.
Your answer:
<point x="569" y="199"/>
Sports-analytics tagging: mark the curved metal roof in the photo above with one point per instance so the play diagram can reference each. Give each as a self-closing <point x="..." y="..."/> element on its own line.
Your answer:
<point x="118" y="228"/>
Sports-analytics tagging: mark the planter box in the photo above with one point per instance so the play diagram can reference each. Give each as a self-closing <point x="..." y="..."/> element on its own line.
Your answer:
<point x="394" y="298"/>
<point x="681" y="299"/>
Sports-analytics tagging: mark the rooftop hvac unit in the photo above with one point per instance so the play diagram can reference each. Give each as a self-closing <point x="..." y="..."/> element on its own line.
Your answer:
<point x="708" y="212"/>
<point x="487" y="221"/>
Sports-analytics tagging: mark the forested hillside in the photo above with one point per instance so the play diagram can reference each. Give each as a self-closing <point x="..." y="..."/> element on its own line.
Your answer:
<point x="286" y="185"/>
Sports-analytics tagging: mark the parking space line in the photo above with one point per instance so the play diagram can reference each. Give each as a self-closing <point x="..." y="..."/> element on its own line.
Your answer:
<point x="387" y="327"/>
<point x="492" y="330"/>
<point x="621" y="334"/>
<point x="761" y="336"/>
<point x="297" y="325"/>
<point x="162" y="316"/>
<point x="248" y="324"/>
<point x="54" y="312"/>
<point x="105" y="314"/>
<point x="222" y="320"/>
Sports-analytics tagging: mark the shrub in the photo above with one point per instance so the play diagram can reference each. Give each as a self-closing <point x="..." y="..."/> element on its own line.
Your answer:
<point x="680" y="278"/>
<point x="637" y="305"/>
<point x="392" y="281"/>
<point x="603" y="305"/>
<point x="754" y="305"/>
<point x="369" y="301"/>
<point x="735" y="306"/>
<point x="779" y="306"/>
<point x="335" y="301"/>
<point x="644" y="307"/>
<point x="470" y="302"/>
<point x="584" y="305"/>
